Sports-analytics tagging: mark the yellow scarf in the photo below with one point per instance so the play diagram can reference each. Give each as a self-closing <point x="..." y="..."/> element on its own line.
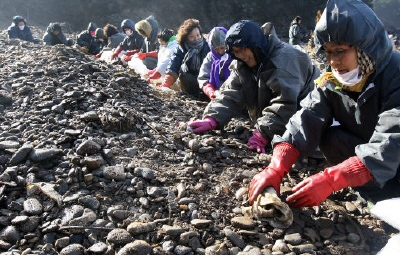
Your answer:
<point x="329" y="77"/>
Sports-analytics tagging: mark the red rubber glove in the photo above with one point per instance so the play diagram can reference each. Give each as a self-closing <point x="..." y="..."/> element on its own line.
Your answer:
<point x="257" y="141"/>
<point x="152" y="54"/>
<point x="283" y="157"/>
<point x="98" y="55"/>
<point x="116" y="52"/>
<point x="155" y="75"/>
<point x="209" y="90"/>
<point x="168" y="81"/>
<point x="128" y="58"/>
<point x="131" y="52"/>
<point x="152" y="71"/>
<point x="200" y="126"/>
<point x="315" y="189"/>
<point x="141" y="55"/>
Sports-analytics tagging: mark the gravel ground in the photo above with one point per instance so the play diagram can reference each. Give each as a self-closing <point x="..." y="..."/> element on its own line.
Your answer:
<point x="95" y="161"/>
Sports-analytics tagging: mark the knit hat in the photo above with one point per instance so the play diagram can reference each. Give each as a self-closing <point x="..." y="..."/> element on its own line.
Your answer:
<point x="143" y="27"/>
<point x="100" y="33"/>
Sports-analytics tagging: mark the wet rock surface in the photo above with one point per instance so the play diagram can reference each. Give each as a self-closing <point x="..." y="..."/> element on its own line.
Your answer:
<point x="89" y="166"/>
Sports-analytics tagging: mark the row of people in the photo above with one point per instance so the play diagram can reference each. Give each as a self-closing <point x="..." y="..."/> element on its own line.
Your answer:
<point x="291" y="109"/>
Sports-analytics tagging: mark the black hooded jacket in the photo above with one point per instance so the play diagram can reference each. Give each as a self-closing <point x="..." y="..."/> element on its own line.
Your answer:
<point x="135" y="40"/>
<point x="85" y="39"/>
<point x="271" y="91"/>
<point x="15" y="32"/>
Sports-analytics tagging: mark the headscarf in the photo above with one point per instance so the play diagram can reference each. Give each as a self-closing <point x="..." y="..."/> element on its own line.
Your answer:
<point x="217" y="38"/>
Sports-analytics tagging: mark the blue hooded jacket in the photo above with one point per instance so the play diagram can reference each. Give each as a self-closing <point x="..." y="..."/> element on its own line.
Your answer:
<point x="15" y="32"/>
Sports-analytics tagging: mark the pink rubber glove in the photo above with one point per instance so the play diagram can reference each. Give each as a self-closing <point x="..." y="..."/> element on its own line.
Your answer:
<point x="209" y="90"/>
<point x="257" y="141"/>
<point x="315" y="189"/>
<point x="200" y="126"/>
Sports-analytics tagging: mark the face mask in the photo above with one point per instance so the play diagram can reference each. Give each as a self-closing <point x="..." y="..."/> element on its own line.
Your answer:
<point x="128" y="32"/>
<point x="350" y="78"/>
<point x="21" y="27"/>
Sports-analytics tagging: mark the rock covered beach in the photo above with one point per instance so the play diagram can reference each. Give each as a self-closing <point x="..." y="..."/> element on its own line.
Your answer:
<point x="95" y="161"/>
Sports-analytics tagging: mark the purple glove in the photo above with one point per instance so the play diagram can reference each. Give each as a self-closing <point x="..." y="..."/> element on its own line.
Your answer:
<point x="257" y="141"/>
<point x="200" y="126"/>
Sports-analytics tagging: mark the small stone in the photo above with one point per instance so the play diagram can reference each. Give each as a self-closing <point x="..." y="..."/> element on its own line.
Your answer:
<point x="200" y="223"/>
<point x="21" y="154"/>
<point x="243" y="222"/>
<point x="144" y="172"/>
<point x="62" y="242"/>
<point x="326" y="233"/>
<point x="119" y="237"/>
<point x="293" y="239"/>
<point x="32" y="206"/>
<point x="182" y="250"/>
<point x="138" y="247"/>
<point x="234" y="238"/>
<point x="115" y="173"/>
<point x="73" y="249"/>
<point x="353" y="238"/>
<point x="281" y="246"/>
<point x="93" y="162"/>
<point x="172" y="230"/>
<point x="168" y="246"/>
<point x="351" y="207"/>
<point x="10" y="234"/>
<point x="39" y="155"/>
<point x="98" y="248"/>
<point x="90" y="116"/>
<point x="88" y="147"/>
<point x="137" y="228"/>
<point x="303" y="248"/>
<point x="6" y="145"/>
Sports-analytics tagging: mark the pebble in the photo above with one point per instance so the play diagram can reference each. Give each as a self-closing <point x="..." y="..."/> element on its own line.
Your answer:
<point x="38" y="155"/>
<point x="88" y="147"/>
<point x="235" y="238"/>
<point x="182" y="250"/>
<point x="172" y="230"/>
<point x="281" y="246"/>
<point x="303" y="248"/>
<point x="243" y="222"/>
<point x="21" y="154"/>
<point x="201" y="223"/>
<point x="114" y="173"/>
<point x="9" y="234"/>
<point x="293" y="239"/>
<point x="137" y="228"/>
<point x="7" y="145"/>
<point x="73" y="249"/>
<point x="32" y="206"/>
<point x="144" y="172"/>
<point x="119" y="237"/>
<point x="138" y="247"/>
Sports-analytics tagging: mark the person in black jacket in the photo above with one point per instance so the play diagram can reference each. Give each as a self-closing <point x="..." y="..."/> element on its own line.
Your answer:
<point x="19" y="30"/>
<point x="54" y="35"/>
<point x="133" y="41"/>
<point x="88" y="41"/>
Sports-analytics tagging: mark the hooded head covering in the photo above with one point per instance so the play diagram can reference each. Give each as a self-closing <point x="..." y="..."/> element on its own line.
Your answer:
<point x="127" y="23"/>
<point x="216" y="38"/>
<point x="353" y="22"/>
<point x="246" y="34"/>
<point x="92" y="27"/>
<point x="100" y="33"/>
<point x="55" y="27"/>
<point x="143" y="27"/>
<point x="17" y="19"/>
